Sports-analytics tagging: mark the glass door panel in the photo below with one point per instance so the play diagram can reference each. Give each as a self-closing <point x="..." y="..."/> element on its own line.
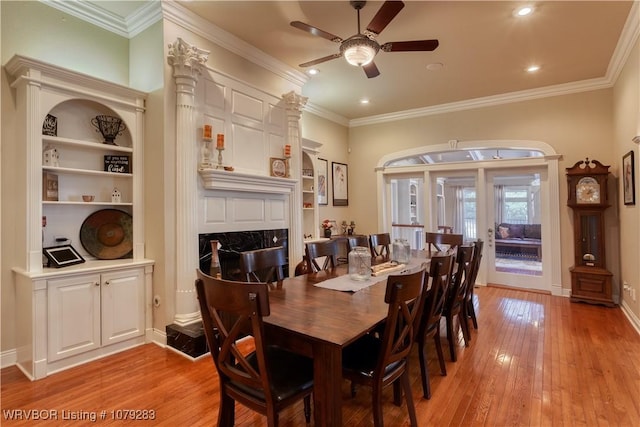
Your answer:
<point x="514" y="228"/>
<point x="407" y="210"/>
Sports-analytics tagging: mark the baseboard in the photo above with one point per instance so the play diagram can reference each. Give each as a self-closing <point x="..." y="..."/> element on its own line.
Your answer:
<point x="158" y="336"/>
<point x="633" y="319"/>
<point x="8" y="358"/>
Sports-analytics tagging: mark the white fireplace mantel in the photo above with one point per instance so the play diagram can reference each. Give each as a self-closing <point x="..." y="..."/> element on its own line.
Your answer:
<point x="215" y="179"/>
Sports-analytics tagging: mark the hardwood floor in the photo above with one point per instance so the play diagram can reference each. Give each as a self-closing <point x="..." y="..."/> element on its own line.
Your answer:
<point x="537" y="360"/>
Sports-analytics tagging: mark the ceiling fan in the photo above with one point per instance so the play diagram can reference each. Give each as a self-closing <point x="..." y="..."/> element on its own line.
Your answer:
<point x="360" y="49"/>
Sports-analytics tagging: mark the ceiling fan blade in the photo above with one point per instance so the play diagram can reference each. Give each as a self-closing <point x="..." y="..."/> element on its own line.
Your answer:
<point x="320" y="60"/>
<point x="410" y="46"/>
<point x="316" y="31"/>
<point x="385" y="14"/>
<point x="371" y="70"/>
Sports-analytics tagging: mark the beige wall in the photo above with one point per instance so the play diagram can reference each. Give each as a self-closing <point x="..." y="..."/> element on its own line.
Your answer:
<point x="576" y="126"/>
<point x="334" y="139"/>
<point x="626" y="112"/>
<point x="32" y="29"/>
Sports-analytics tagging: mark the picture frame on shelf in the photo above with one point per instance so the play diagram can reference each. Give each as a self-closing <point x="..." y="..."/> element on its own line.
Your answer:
<point x="50" y="125"/>
<point x="323" y="181"/>
<point x="62" y="256"/>
<point x="117" y="164"/>
<point x="628" y="179"/>
<point x="340" y="184"/>
<point x="49" y="187"/>
<point x="278" y="167"/>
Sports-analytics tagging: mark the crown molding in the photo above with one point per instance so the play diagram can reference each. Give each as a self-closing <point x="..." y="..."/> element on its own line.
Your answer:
<point x="127" y="27"/>
<point x="326" y="114"/>
<point x="623" y="49"/>
<point x="190" y="21"/>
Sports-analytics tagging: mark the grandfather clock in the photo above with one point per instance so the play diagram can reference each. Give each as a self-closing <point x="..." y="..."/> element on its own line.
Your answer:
<point x="588" y="198"/>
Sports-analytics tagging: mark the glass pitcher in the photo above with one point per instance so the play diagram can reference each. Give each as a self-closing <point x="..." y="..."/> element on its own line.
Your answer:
<point x="400" y="251"/>
<point x="360" y="263"/>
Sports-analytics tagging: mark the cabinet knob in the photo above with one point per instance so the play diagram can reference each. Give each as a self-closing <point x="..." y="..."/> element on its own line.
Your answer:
<point x="106" y="282"/>
<point x="97" y="283"/>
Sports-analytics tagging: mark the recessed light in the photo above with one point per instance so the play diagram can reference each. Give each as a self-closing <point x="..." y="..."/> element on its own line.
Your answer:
<point x="435" y="66"/>
<point x="523" y="11"/>
<point x="533" y="68"/>
<point x="364" y="101"/>
<point x="313" y="71"/>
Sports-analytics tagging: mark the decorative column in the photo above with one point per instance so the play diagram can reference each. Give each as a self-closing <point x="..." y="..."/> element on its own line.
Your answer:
<point x="294" y="104"/>
<point x="187" y="62"/>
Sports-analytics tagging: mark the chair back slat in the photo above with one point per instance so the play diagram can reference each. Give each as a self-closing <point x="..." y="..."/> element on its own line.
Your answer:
<point x="357" y="241"/>
<point x="405" y="295"/>
<point x="229" y="311"/>
<point x="379" y="244"/>
<point x="438" y="240"/>
<point x="440" y="276"/>
<point x="264" y="265"/>
<point x="327" y="249"/>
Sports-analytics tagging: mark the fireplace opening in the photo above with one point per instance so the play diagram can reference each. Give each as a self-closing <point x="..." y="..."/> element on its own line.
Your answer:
<point x="231" y="244"/>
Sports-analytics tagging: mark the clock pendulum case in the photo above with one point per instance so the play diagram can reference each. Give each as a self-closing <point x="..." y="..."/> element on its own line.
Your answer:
<point x="588" y="198"/>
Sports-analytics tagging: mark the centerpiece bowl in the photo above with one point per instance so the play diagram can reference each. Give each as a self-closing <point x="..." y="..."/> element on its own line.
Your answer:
<point x="109" y="126"/>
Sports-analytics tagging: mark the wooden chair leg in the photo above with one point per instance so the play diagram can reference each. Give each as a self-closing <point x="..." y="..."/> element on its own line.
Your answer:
<point x="307" y="408"/>
<point x="397" y="393"/>
<point x="409" y="398"/>
<point x="438" y="343"/>
<point x="451" y="338"/>
<point x="464" y="325"/>
<point x="226" y="413"/>
<point x="424" y="370"/>
<point x="376" y="397"/>
<point x="472" y="314"/>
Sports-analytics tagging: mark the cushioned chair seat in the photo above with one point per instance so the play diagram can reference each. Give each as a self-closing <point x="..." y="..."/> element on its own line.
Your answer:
<point x="362" y="356"/>
<point x="290" y="374"/>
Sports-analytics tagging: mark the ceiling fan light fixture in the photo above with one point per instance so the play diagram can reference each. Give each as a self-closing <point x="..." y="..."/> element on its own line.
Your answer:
<point x="359" y="50"/>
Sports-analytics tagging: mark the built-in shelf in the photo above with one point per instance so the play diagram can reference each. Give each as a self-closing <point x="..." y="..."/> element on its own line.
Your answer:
<point x="86" y="144"/>
<point x="85" y="172"/>
<point x="105" y="203"/>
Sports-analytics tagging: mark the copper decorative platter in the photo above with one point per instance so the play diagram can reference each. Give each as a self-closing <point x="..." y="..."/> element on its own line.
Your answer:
<point x="108" y="234"/>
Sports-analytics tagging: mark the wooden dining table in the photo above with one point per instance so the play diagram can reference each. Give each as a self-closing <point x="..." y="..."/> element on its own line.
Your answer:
<point x="320" y="323"/>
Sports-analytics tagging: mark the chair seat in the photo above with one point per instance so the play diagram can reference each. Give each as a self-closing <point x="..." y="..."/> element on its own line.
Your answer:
<point x="290" y="374"/>
<point x="361" y="357"/>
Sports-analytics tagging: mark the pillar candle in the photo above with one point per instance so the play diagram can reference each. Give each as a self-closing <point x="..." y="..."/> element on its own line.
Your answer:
<point x="220" y="141"/>
<point x="207" y="132"/>
<point x="287" y="150"/>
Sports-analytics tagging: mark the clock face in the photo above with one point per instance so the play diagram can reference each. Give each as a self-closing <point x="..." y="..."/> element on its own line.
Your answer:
<point x="588" y="190"/>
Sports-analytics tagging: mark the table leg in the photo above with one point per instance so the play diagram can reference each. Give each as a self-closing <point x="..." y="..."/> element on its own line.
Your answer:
<point x="327" y="390"/>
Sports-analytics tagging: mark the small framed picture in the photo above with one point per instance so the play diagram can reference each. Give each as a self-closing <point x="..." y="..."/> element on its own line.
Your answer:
<point x="49" y="187"/>
<point x="62" y="256"/>
<point x="629" y="179"/>
<point x="323" y="181"/>
<point x="278" y="167"/>
<point x="339" y="178"/>
<point x="50" y="126"/>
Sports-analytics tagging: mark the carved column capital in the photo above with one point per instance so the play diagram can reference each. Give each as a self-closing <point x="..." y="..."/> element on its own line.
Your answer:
<point x="295" y="103"/>
<point x="187" y="60"/>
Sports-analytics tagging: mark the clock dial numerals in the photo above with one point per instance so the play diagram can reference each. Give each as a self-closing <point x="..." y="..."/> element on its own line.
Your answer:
<point x="588" y="190"/>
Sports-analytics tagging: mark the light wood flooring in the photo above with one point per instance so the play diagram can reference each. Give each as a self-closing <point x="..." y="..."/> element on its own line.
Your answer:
<point x="536" y="360"/>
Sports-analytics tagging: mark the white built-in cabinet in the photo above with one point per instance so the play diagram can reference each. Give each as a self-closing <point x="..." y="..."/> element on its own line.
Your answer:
<point x="77" y="313"/>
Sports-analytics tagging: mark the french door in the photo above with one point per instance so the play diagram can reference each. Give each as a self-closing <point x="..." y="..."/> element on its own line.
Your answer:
<point x="482" y="204"/>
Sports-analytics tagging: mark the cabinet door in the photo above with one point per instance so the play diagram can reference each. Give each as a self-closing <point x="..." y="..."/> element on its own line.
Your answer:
<point x="122" y="305"/>
<point x="73" y="315"/>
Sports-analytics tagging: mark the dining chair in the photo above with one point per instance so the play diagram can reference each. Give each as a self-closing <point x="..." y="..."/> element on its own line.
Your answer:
<point x="265" y="380"/>
<point x="359" y="240"/>
<point x="381" y="361"/>
<point x="469" y="308"/>
<point x="327" y="249"/>
<point x="456" y="299"/>
<point x="264" y="265"/>
<point x="438" y="240"/>
<point x="440" y="276"/>
<point x="379" y="244"/>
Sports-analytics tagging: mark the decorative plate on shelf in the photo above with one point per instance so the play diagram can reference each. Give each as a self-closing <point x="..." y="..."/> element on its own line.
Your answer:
<point x="108" y="234"/>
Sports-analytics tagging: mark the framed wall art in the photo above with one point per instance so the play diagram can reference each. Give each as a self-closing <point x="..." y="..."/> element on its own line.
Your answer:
<point x="629" y="179"/>
<point x="339" y="178"/>
<point x="278" y="167"/>
<point x="323" y="181"/>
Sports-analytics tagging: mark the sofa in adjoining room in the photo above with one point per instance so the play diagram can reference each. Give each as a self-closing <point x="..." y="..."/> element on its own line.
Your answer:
<point x="518" y="240"/>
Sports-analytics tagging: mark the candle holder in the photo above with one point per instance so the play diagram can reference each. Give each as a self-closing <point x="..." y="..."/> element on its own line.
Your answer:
<point x="220" y="150"/>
